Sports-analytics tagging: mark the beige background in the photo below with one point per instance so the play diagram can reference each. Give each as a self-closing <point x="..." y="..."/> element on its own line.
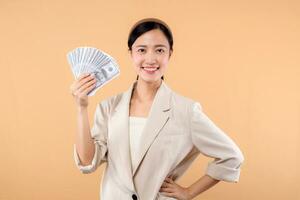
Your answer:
<point x="239" y="59"/>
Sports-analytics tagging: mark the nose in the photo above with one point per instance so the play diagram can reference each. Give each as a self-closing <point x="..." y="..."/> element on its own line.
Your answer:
<point x="150" y="58"/>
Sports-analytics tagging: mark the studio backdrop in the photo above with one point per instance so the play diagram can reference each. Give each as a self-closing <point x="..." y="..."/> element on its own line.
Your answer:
<point x="239" y="59"/>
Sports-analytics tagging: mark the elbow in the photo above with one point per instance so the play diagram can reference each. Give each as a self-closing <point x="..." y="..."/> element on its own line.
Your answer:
<point x="87" y="169"/>
<point x="86" y="162"/>
<point x="233" y="161"/>
<point x="84" y="166"/>
<point x="238" y="159"/>
<point x="90" y="166"/>
<point x="227" y="168"/>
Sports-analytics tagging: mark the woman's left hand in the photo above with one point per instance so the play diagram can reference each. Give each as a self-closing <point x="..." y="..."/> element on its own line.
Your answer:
<point x="172" y="189"/>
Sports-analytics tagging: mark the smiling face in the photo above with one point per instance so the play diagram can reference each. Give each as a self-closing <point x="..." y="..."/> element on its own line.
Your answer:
<point x="150" y="54"/>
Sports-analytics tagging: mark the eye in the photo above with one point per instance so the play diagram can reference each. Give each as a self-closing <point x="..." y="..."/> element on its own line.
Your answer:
<point x="141" y="50"/>
<point x="160" y="50"/>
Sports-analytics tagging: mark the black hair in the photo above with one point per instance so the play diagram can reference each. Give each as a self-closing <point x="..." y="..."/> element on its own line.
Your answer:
<point x="146" y="25"/>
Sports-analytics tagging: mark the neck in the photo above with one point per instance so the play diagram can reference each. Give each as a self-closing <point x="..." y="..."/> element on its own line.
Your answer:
<point x="145" y="91"/>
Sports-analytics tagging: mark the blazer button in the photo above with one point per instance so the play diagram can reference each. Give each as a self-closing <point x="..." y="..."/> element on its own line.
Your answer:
<point x="134" y="197"/>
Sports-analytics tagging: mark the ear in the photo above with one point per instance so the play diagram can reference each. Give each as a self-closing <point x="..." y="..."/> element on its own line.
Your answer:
<point x="130" y="53"/>
<point x="170" y="53"/>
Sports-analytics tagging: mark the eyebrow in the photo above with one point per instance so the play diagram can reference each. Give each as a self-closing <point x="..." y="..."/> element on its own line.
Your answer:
<point x="158" y="45"/>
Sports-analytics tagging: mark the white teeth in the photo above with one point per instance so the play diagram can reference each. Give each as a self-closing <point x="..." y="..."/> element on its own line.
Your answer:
<point x="150" y="69"/>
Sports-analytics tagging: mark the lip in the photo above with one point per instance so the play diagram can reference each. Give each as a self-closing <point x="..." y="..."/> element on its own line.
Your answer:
<point x="150" y="70"/>
<point x="150" y="67"/>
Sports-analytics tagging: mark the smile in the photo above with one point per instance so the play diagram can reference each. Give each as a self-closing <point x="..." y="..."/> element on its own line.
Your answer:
<point x="150" y="69"/>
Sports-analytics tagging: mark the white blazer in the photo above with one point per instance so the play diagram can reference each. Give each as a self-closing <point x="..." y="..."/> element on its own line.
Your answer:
<point x="176" y="131"/>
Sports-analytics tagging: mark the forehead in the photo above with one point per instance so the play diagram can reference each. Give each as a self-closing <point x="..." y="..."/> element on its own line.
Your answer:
<point x="153" y="38"/>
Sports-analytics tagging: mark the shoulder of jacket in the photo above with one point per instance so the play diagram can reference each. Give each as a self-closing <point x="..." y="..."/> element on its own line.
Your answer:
<point x="186" y="103"/>
<point x="108" y="102"/>
<point x="182" y="100"/>
<point x="112" y="101"/>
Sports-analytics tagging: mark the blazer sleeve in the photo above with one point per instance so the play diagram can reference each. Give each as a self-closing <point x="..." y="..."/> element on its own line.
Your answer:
<point x="99" y="135"/>
<point x="211" y="141"/>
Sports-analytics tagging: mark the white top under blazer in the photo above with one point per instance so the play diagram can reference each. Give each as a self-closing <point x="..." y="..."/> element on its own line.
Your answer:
<point x="136" y="125"/>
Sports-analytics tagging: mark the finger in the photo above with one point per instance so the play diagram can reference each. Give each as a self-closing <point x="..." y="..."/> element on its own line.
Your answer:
<point x="73" y="89"/>
<point x="83" y="75"/>
<point x="169" y="190"/>
<point x="73" y="86"/>
<point x="81" y="84"/>
<point x="165" y="184"/>
<point x="169" y="180"/>
<point x="86" y="79"/>
<point x="86" y="85"/>
<point x="90" y="88"/>
<point x="83" y="79"/>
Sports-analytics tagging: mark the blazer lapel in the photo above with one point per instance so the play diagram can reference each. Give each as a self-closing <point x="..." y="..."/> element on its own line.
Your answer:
<point x="157" y="117"/>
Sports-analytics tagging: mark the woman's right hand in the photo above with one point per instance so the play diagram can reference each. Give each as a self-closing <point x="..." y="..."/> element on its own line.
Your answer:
<point x="81" y="87"/>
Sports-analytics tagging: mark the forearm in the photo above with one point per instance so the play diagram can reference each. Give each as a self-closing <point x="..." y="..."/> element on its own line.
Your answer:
<point x="201" y="185"/>
<point x="84" y="143"/>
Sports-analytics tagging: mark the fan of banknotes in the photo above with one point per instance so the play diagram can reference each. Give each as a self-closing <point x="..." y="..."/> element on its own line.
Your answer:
<point x="93" y="61"/>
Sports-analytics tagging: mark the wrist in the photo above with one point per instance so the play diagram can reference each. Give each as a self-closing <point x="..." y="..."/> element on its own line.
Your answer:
<point x="82" y="109"/>
<point x="189" y="193"/>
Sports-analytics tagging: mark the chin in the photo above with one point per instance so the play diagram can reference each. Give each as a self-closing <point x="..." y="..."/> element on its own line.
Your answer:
<point x="150" y="80"/>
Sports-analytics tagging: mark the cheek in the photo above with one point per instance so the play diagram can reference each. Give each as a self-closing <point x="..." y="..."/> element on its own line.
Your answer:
<point x="137" y="59"/>
<point x="164" y="61"/>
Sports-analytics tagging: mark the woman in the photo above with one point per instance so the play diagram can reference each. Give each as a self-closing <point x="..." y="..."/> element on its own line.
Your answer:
<point x="149" y="135"/>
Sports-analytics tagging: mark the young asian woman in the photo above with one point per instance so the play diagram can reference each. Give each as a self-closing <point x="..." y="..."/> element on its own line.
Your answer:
<point x="149" y="135"/>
